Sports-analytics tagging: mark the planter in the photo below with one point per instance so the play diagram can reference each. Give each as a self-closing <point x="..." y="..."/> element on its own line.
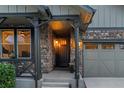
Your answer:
<point x="71" y="67"/>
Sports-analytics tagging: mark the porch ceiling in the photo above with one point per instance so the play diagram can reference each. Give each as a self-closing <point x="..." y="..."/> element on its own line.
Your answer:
<point x="16" y="21"/>
<point x="61" y="28"/>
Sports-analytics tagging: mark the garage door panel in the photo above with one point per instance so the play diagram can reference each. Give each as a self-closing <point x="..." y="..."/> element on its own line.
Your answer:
<point x="89" y="54"/>
<point x="91" y="68"/>
<point x="106" y="55"/>
<point x="120" y="55"/>
<point x="107" y="68"/>
<point x="121" y="68"/>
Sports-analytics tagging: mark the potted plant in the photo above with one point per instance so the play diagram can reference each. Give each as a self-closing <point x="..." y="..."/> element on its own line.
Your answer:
<point x="71" y="67"/>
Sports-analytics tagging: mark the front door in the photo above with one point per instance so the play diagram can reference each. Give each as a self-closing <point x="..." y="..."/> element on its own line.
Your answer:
<point x="62" y="52"/>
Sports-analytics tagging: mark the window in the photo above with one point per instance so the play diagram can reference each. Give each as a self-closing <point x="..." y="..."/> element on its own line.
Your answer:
<point x="108" y="46"/>
<point x="24" y="43"/>
<point x="7" y="43"/>
<point x="91" y="46"/>
<point x="121" y="46"/>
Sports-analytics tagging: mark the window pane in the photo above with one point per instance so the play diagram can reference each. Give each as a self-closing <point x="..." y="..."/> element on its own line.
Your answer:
<point x="108" y="46"/>
<point x="121" y="46"/>
<point x="91" y="46"/>
<point x="8" y="44"/>
<point x="24" y="43"/>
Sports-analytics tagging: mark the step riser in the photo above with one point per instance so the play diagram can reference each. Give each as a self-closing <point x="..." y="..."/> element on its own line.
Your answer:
<point x="56" y="84"/>
<point x="57" y="80"/>
<point x="64" y="86"/>
<point x="53" y="87"/>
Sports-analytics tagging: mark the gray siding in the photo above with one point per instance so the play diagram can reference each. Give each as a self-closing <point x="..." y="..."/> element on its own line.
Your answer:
<point x="108" y="16"/>
<point x="17" y="8"/>
<point x="64" y="10"/>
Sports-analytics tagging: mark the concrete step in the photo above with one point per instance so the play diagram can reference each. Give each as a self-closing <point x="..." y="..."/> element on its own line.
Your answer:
<point x="25" y="83"/>
<point x="55" y="85"/>
<point x="57" y="80"/>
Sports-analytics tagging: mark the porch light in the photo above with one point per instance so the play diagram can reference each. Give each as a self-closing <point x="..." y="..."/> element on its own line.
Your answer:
<point x="55" y="42"/>
<point x="80" y="45"/>
<point x="56" y="25"/>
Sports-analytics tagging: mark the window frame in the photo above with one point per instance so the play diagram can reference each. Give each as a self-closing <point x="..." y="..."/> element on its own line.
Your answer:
<point x="15" y="30"/>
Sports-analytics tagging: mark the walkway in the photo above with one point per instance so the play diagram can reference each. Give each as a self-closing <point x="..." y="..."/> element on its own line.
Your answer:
<point x="104" y="82"/>
<point x="58" y="78"/>
<point x="59" y="73"/>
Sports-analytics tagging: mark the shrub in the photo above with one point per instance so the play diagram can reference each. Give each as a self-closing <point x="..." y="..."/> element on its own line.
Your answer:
<point x="7" y="75"/>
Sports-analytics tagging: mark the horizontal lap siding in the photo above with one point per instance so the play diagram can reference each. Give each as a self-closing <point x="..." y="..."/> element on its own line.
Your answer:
<point x="17" y="9"/>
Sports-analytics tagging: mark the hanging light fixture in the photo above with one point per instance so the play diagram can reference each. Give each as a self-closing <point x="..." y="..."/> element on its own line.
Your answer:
<point x="56" y="25"/>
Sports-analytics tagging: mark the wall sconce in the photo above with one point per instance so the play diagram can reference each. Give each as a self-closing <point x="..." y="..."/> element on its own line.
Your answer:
<point x="55" y="42"/>
<point x="80" y="45"/>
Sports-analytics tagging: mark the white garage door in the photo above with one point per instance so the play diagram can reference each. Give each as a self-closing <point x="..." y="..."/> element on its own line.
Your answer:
<point x="103" y="60"/>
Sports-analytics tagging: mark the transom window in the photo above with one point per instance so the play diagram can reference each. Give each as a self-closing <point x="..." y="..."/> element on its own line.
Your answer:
<point x="14" y="43"/>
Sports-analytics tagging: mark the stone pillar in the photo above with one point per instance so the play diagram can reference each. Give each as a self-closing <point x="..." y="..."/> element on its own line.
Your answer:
<point x="46" y="49"/>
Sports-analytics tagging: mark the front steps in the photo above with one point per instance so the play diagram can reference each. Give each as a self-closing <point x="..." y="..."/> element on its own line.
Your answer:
<point x="56" y="83"/>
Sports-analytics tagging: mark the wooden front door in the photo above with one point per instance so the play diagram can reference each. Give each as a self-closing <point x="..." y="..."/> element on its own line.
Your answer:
<point x="62" y="52"/>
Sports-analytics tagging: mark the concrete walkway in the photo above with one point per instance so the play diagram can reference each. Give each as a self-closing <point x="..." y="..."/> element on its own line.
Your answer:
<point x="59" y="73"/>
<point x="58" y="78"/>
<point x="104" y="82"/>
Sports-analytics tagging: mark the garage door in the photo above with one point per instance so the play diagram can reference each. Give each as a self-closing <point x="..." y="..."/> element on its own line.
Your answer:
<point x="103" y="60"/>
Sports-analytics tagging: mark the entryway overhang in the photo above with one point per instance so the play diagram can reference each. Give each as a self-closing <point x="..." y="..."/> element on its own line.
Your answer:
<point x="79" y="23"/>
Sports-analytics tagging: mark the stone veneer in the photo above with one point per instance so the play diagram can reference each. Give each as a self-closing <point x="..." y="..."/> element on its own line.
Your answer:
<point x="47" y="55"/>
<point x="47" y="50"/>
